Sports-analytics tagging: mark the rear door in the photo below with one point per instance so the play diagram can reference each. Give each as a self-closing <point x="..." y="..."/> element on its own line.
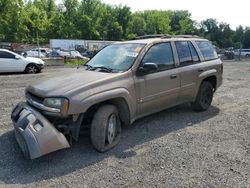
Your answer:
<point x="158" y="90"/>
<point x="188" y="68"/>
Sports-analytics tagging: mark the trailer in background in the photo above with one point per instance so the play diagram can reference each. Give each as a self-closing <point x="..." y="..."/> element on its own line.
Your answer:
<point x="75" y="44"/>
<point x="67" y="44"/>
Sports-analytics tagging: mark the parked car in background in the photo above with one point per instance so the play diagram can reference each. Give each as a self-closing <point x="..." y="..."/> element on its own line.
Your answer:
<point x="89" y="54"/>
<point x="68" y="54"/>
<point x="12" y="62"/>
<point x="242" y="52"/>
<point x="38" y="52"/>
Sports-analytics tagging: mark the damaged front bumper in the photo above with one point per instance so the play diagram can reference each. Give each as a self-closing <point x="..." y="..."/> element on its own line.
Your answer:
<point x="35" y="135"/>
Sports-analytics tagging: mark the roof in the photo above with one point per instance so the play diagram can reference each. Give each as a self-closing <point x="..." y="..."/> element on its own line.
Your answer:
<point x="159" y="38"/>
<point x="5" y="50"/>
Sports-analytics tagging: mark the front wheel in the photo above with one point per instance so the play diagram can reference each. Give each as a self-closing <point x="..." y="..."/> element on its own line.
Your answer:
<point x="204" y="97"/>
<point x="31" y="69"/>
<point x="105" y="130"/>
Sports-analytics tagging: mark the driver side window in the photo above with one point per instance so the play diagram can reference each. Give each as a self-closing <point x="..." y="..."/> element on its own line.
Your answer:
<point x="6" y="55"/>
<point x="160" y="54"/>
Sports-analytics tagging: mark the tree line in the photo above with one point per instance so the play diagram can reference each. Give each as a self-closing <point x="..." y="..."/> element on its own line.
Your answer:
<point x="28" y="21"/>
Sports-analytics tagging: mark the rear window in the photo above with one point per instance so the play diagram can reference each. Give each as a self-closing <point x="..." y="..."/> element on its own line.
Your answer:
<point x="207" y="50"/>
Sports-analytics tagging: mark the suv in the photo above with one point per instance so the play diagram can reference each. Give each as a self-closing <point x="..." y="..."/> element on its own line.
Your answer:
<point x="12" y="62"/>
<point x="123" y="82"/>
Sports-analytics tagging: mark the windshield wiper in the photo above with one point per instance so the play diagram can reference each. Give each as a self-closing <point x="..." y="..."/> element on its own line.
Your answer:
<point x="88" y="66"/>
<point x="107" y="69"/>
<point x="102" y="68"/>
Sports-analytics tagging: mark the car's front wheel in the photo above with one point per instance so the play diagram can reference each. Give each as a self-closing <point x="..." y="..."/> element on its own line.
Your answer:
<point x="105" y="130"/>
<point x="204" y="97"/>
<point x="31" y="69"/>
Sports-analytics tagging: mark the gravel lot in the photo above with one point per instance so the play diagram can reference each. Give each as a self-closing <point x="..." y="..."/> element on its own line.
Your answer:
<point x="174" y="148"/>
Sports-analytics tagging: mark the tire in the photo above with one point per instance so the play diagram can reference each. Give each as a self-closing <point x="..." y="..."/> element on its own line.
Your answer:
<point x="31" y="69"/>
<point x="247" y="56"/>
<point x="22" y="144"/>
<point x="204" y="97"/>
<point x="105" y="129"/>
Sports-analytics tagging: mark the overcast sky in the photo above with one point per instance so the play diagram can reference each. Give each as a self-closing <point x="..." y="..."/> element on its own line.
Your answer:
<point x="233" y="12"/>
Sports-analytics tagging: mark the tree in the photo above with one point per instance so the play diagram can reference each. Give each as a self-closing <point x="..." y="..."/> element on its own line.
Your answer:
<point x="136" y="27"/>
<point x="238" y="37"/>
<point x="181" y="22"/>
<point x="246" y="42"/>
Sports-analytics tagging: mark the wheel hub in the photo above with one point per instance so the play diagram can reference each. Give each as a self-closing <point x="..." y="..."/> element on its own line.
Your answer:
<point x="32" y="69"/>
<point x="111" y="128"/>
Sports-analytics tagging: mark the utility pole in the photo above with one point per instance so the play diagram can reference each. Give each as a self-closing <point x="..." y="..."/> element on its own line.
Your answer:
<point x="37" y="38"/>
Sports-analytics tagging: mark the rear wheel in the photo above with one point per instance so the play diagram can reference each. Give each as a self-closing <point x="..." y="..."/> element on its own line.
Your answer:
<point x="204" y="97"/>
<point x="105" y="128"/>
<point x="31" y="69"/>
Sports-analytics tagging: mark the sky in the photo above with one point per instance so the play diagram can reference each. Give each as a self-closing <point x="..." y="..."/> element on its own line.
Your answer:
<point x="235" y="12"/>
<point x="232" y="12"/>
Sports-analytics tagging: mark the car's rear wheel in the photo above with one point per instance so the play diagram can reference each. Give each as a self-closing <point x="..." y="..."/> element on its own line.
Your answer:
<point x="31" y="69"/>
<point x="105" y="130"/>
<point x="204" y="97"/>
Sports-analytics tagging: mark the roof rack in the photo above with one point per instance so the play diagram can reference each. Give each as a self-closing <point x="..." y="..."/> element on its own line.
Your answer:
<point x="182" y="36"/>
<point x="150" y="36"/>
<point x="165" y="36"/>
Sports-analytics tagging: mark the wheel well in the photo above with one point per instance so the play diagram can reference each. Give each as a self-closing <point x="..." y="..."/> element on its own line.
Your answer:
<point x="212" y="80"/>
<point x="120" y="104"/>
<point x="30" y="64"/>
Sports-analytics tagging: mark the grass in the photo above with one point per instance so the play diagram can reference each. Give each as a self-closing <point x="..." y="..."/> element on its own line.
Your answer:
<point x="74" y="62"/>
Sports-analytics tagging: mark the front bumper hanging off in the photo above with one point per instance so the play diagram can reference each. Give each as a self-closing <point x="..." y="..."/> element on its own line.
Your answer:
<point x="35" y="135"/>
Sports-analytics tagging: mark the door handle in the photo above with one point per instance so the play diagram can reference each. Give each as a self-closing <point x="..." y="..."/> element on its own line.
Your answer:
<point x="200" y="70"/>
<point x="174" y="76"/>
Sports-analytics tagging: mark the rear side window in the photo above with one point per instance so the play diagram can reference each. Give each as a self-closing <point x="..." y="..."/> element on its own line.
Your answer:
<point x="207" y="50"/>
<point x="6" y="55"/>
<point x="161" y="54"/>
<point x="184" y="53"/>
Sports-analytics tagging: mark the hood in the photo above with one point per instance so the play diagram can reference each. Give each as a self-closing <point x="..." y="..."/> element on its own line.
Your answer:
<point x="34" y="60"/>
<point x="67" y="83"/>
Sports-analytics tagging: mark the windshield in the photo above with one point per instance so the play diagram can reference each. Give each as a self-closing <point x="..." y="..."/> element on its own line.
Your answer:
<point x="118" y="57"/>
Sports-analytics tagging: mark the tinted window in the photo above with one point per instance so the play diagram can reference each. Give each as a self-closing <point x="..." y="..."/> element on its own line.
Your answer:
<point x="7" y="55"/>
<point x="207" y="50"/>
<point x="160" y="54"/>
<point x="194" y="53"/>
<point x="184" y="53"/>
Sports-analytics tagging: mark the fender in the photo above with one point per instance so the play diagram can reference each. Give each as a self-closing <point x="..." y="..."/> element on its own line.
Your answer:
<point x="86" y="103"/>
<point x="205" y="74"/>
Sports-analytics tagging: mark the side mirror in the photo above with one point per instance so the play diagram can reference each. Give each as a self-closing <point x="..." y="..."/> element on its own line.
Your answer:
<point x="25" y="54"/>
<point x="17" y="57"/>
<point x="147" y="68"/>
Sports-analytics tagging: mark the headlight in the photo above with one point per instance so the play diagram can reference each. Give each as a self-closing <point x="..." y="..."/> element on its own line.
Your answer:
<point x="41" y="62"/>
<point x="58" y="103"/>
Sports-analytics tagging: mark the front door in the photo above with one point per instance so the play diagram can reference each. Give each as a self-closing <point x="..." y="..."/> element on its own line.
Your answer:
<point x="159" y="90"/>
<point x="9" y="63"/>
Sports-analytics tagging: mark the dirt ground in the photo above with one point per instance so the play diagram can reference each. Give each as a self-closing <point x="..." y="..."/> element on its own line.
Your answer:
<point x="173" y="148"/>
